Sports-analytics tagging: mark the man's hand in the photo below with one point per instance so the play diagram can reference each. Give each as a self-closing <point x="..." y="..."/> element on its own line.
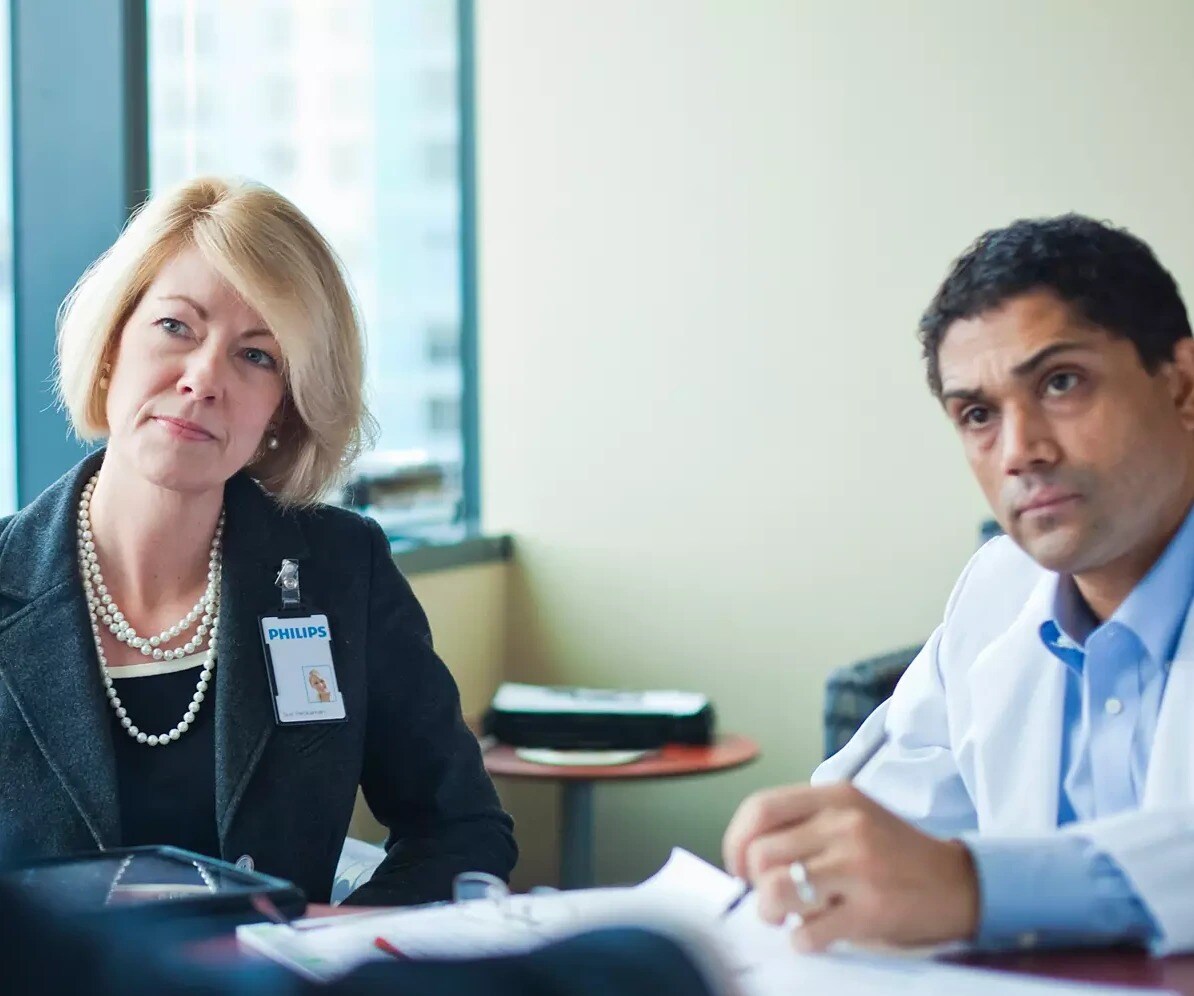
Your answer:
<point x="876" y="877"/>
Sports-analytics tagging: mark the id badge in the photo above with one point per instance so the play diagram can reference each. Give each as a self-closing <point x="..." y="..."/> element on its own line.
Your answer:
<point x="302" y="676"/>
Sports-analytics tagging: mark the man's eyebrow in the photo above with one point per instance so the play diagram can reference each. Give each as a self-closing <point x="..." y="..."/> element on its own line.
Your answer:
<point x="969" y="394"/>
<point x="1025" y="368"/>
<point x="1042" y="356"/>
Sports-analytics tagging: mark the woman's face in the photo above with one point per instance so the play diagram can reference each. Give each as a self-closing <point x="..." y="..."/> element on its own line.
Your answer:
<point x="196" y="379"/>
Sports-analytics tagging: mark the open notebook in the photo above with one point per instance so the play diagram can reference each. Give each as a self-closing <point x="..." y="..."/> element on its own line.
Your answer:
<point x="685" y="899"/>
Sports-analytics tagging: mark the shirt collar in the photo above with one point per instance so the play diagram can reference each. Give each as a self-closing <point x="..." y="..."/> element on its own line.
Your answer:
<point x="1154" y="610"/>
<point x="1071" y="615"/>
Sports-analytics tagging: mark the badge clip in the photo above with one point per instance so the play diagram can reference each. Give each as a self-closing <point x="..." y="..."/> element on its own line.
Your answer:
<point x="288" y="581"/>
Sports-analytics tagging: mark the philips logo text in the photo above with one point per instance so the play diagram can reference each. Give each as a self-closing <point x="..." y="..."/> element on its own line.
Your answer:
<point x="297" y="633"/>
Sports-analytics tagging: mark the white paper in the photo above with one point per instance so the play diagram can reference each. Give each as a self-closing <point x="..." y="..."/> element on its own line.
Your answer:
<point x="686" y="879"/>
<point x="854" y="975"/>
<point x="514" y="697"/>
<point x="328" y="947"/>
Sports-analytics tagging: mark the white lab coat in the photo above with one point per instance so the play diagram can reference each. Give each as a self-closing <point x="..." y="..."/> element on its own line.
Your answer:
<point x="971" y="739"/>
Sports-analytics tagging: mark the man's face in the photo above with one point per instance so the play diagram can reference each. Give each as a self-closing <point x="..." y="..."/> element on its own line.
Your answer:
<point x="1084" y="456"/>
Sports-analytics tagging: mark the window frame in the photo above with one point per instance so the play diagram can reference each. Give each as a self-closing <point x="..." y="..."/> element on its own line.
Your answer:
<point x="64" y="216"/>
<point x="79" y="167"/>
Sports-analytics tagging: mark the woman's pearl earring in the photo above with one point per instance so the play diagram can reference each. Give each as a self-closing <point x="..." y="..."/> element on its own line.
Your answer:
<point x="271" y="443"/>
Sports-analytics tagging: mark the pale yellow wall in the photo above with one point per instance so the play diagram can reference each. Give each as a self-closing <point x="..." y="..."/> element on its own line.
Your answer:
<point x="466" y="607"/>
<point x="707" y="228"/>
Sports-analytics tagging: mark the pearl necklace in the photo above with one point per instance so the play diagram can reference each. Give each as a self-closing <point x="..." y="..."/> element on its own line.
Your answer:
<point x="102" y="607"/>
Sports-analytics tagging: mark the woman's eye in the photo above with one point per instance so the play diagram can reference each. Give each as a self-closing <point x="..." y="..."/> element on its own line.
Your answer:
<point x="1061" y="383"/>
<point x="260" y="358"/>
<point x="173" y="326"/>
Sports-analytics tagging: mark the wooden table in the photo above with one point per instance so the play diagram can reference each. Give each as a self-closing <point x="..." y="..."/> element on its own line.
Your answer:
<point x="1110" y="966"/>
<point x="576" y="788"/>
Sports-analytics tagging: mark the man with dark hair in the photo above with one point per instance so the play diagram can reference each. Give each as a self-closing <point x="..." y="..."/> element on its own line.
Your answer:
<point x="1110" y="279"/>
<point x="1031" y="780"/>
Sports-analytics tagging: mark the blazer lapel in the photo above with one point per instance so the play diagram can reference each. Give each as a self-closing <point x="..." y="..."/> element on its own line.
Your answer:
<point x="47" y="656"/>
<point x="1017" y="690"/>
<point x="1170" y="778"/>
<point x="257" y="536"/>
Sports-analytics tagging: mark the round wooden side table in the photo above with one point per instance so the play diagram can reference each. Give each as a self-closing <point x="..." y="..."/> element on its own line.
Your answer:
<point x="730" y="750"/>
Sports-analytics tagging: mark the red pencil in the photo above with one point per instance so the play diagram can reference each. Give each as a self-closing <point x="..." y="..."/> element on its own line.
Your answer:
<point x="383" y="945"/>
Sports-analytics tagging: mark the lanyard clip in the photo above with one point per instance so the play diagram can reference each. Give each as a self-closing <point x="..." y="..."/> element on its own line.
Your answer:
<point x="288" y="581"/>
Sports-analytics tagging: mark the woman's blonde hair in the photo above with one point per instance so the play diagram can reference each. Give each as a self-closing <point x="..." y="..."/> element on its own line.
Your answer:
<point x="276" y="260"/>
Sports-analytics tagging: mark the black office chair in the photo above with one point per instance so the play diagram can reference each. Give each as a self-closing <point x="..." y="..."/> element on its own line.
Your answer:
<point x="853" y="692"/>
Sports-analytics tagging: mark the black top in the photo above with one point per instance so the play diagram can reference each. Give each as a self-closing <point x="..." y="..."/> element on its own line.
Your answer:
<point x="167" y="794"/>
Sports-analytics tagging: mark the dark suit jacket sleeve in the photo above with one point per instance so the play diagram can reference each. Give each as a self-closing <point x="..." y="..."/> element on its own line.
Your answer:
<point x="423" y="775"/>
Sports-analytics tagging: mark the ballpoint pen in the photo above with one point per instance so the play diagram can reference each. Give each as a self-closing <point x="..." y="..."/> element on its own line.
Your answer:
<point x="747" y="889"/>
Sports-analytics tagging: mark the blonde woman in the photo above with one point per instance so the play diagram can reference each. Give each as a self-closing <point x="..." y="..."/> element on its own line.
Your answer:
<point x="216" y="350"/>
<point x="319" y="687"/>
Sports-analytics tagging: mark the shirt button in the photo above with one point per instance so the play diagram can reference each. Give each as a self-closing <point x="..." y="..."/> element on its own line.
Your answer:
<point x="245" y="863"/>
<point x="1113" y="706"/>
<point x="1027" y="940"/>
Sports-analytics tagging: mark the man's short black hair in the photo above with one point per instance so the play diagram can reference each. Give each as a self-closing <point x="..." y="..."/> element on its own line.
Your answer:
<point x="1109" y="277"/>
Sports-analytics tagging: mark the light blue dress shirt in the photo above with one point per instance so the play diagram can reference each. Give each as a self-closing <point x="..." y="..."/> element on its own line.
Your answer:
<point x="1064" y="890"/>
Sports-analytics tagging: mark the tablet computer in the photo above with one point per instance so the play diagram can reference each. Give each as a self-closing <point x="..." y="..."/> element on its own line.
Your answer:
<point x="162" y="880"/>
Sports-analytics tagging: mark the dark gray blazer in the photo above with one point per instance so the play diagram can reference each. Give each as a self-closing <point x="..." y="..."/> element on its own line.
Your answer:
<point x="284" y="794"/>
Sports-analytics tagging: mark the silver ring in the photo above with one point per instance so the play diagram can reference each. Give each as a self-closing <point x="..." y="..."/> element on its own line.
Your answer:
<point x="804" y="888"/>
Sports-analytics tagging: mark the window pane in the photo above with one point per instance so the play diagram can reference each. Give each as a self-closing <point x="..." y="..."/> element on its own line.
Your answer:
<point x="348" y="107"/>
